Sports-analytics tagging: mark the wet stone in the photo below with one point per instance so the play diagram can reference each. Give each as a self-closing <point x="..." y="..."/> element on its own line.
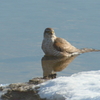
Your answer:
<point x="23" y="91"/>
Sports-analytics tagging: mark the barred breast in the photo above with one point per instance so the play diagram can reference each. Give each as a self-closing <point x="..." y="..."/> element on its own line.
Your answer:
<point x="48" y="49"/>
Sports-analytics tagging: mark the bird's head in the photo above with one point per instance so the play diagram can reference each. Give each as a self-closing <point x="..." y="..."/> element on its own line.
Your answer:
<point x="49" y="33"/>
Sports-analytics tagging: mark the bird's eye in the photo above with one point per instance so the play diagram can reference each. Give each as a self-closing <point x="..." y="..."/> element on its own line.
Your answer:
<point x="48" y="31"/>
<point x="51" y="32"/>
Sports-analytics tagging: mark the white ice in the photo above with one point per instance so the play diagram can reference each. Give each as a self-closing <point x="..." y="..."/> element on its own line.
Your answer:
<point x="80" y="86"/>
<point x="3" y="85"/>
<point x="2" y="92"/>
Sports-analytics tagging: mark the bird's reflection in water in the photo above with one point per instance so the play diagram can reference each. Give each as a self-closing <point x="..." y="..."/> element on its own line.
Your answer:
<point x="51" y="65"/>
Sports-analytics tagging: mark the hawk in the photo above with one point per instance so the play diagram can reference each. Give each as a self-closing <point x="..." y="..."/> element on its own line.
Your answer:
<point x="55" y="46"/>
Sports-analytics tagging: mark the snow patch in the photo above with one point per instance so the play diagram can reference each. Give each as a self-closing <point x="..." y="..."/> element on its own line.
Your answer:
<point x="80" y="86"/>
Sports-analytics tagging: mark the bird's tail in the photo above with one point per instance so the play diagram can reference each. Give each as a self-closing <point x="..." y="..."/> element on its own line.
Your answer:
<point x="88" y="50"/>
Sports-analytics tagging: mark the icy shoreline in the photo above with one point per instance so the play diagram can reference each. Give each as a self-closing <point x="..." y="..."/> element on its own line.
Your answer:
<point x="79" y="86"/>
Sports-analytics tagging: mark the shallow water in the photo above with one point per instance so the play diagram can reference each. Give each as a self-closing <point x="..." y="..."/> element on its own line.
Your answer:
<point x="21" y="32"/>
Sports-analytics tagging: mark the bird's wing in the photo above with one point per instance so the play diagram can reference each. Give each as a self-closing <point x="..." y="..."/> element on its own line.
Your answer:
<point x="64" y="46"/>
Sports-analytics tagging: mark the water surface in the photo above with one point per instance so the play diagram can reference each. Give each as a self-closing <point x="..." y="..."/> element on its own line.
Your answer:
<point x="21" y="32"/>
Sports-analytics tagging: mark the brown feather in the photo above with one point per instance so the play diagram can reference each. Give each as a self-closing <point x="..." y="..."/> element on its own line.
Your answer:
<point x="64" y="46"/>
<point x="88" y="50"/>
